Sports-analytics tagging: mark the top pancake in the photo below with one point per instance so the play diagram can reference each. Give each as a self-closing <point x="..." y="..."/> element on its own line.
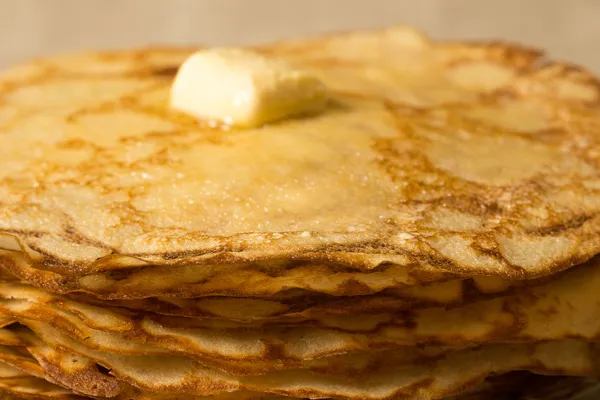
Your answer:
<point x="476" y="158"/>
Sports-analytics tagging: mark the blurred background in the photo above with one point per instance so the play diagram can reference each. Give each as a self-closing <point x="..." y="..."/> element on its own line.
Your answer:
<point x="569" y="30"/>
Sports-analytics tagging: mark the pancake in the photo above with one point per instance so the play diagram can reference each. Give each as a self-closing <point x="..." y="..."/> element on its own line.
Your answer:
<point x="299" y="303"/>
<point x="527" y="386"/>
<point x="476" y="160"/>
<point x="190" y="281"/>
<point x="430" y="380"/>
<point x="32" y="361"/>
<point x="16" y="384"/>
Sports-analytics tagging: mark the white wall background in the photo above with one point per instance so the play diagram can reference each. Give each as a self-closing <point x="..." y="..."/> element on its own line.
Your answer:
<point x="28" y="28"/>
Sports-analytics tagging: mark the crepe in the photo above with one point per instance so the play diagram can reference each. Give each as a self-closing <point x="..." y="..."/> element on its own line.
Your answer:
<point x="61" y="364"/>
<point x="476" y="160"/>
<point x="527" y="386"/>
<point x="162" y="373"/>
<point x="21" y="385"/>
<point x="32" y="361"/>
<point x="299" y="303"/>
<point x="431" y="380"/>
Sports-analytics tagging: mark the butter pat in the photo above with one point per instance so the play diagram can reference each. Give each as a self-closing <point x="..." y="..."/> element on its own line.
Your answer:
<point x="243" y="88"/>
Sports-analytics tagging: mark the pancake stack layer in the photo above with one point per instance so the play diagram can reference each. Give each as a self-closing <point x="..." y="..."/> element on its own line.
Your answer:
<point x="431" y="232"/>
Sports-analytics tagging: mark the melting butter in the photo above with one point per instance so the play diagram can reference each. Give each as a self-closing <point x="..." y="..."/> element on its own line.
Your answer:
<point x="243" y="88"/>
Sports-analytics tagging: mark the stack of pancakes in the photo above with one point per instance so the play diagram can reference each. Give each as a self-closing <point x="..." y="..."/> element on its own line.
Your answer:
<point x="428" y="234"/>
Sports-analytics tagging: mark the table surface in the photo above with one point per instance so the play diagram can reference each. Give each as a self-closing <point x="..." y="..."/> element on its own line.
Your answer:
<point x="567" y="29"/>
